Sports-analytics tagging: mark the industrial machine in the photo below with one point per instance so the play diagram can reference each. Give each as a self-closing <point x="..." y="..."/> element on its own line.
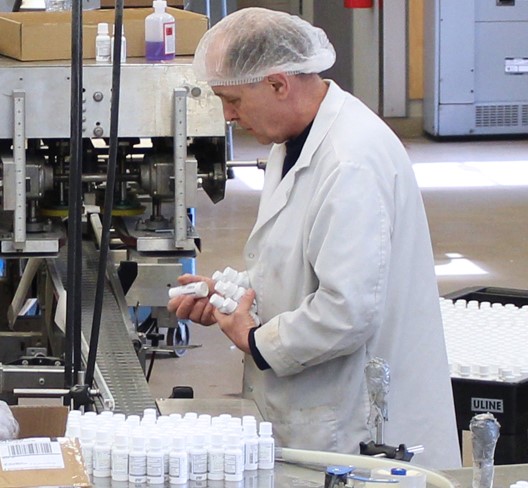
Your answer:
<point x="475" y="67"/>
<point x="171" y="141"/>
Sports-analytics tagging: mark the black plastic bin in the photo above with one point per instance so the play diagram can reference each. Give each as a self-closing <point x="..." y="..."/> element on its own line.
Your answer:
<point x="510" y="399"/>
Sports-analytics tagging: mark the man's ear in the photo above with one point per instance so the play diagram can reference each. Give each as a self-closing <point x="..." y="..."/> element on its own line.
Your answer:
<point x="280" y="84"/>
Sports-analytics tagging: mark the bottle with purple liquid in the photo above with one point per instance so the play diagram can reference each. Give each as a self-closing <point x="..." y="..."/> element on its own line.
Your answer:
<point x="160" y="34"/>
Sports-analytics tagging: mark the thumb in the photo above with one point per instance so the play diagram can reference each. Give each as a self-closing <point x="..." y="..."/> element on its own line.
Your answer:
<point x="246" y="302"/>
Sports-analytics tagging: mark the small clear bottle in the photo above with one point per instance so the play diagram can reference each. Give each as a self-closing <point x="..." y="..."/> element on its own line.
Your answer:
<point x="137" y="459"/>
<point x="266" y="446"/>
<point x="155" y="460"/>
<point x="160" y="34"/>
<point x="178" y="462"/>
<point x="102" y="44"/>
<point x="120" y="456"/>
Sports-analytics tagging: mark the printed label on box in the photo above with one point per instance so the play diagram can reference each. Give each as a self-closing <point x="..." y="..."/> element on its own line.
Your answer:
<point x="32" y="453"/>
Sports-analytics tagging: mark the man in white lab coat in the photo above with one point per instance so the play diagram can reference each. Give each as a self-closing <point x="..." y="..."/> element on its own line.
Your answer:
<point x="339" y="260"/>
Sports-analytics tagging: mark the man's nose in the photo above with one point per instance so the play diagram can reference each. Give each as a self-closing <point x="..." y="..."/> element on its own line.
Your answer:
<point x="230" y="115"/>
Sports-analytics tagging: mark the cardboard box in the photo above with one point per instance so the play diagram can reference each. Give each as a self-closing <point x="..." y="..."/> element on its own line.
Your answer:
<point x="40" y="421"/>
<point x="39" y="458"/>
<point x="46" y="36"/>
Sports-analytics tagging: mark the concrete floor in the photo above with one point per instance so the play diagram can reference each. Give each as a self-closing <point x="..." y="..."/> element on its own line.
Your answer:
<point x="476" y="202"/>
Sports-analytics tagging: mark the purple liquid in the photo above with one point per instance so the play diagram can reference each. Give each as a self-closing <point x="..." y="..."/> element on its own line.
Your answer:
<point x="155" y="51"/>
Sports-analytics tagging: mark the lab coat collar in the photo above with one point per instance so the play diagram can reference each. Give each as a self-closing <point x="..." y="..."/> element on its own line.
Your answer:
<point x="276" y="191"/>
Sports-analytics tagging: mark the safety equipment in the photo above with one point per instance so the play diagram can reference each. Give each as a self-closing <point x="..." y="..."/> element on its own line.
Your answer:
<point x="253" y="43"/>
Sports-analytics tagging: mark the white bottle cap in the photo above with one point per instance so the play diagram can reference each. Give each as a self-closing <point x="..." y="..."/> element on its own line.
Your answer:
<point x="159" y="5"/>
<point x="155" y="442"/>
<point x="178" y="443"/>
<point x="216" y="300"/>
<point x="265" y="428"/>
<point x="243" y="279"/>
<point x="121" y="439"/>
<point x="230" y="274"/>
<point x="220" y="287"/>
<point x="87" y="434"/>
<point x="229" y="306"/>
<point x="102" y="436"/>
<point x="138" y="442"/>
<point x="150" y="412"/>
<point x="102" y="28"/>
<point x="217" y="276"/>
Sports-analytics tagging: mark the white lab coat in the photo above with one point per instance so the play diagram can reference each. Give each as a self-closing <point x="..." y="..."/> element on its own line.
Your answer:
<point x="340" y="259"/>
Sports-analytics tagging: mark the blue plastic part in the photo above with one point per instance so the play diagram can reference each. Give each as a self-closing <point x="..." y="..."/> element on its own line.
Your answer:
<point x="339" y="470"/>
<point x="399" y="471"/>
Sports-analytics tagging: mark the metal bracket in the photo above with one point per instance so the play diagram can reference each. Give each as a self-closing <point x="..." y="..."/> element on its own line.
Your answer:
<point x="19" y="156"/>
<point x="180" y="156"/>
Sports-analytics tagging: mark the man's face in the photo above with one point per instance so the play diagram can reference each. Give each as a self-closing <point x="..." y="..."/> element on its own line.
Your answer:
<point x="254" y="107"/>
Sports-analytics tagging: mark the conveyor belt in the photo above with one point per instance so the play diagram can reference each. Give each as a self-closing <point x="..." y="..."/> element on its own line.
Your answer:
<point x="116" y="357"/>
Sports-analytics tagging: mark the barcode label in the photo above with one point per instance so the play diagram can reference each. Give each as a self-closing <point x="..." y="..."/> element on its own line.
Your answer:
<point x="29" y="449"/>
<point x="33" y="453"/>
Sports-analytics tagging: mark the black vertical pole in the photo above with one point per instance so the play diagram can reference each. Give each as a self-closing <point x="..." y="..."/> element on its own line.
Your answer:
<point x="109" y="194"/>
<point x="74" y="269"/>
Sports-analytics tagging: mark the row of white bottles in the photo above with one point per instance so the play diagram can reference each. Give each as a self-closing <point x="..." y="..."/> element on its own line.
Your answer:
<point x="486" y="341"/>
<point x="104" y="44"/>
<point x="155" y="449"/>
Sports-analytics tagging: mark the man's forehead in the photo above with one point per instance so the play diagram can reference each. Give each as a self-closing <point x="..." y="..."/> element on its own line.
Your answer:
<point x="227" y="91"/>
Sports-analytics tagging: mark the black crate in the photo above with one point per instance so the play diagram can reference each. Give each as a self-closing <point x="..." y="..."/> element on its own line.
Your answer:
<point x="508" y="402"/>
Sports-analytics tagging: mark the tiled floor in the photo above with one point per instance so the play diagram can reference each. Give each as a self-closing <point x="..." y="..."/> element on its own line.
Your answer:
<point x="476" y="198"/>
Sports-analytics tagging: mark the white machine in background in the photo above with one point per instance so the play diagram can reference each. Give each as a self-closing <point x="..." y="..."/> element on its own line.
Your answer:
<point x="476" y="67"/>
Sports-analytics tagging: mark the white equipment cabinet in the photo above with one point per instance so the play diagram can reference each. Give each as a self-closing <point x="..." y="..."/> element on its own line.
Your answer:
<point x="476" y="67"/>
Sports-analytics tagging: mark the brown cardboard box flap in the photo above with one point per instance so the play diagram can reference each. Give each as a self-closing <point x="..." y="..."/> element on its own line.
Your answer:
<point x="45" y="36"/>
<point x="40" y="421"/>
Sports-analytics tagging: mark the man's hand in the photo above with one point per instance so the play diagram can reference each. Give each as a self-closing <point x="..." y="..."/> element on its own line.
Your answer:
<point x="236" y="326"/>
<point x="198" y="310"/>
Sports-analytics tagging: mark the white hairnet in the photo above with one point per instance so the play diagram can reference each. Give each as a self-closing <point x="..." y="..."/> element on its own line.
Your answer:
<point x="252" y="43"/>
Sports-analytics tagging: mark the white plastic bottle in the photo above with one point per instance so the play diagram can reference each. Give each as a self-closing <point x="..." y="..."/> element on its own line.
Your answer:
<point x="251" y="446"/>
<point x="224" y="305"/>
<point x="102" y="44"/>
<point x="120" y="456"/>
<point x="123" y="44"/>
<point x="215" y="458"/>
<point x="155" y="460"/>
<point x="160" y="34"/>
<point x="198" y="459"/>
<point x="199" y="289"/>
<point x="234" y="459"/>
<point x="266" y="446"/>
<point x="137" y="460"/>
<point x="87" y="446"/>
<point x="102" y="454"/>
<point x="178" y="462"/>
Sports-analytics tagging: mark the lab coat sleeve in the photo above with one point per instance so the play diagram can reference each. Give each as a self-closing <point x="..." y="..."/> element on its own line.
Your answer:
<point x="347" y="249"/>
